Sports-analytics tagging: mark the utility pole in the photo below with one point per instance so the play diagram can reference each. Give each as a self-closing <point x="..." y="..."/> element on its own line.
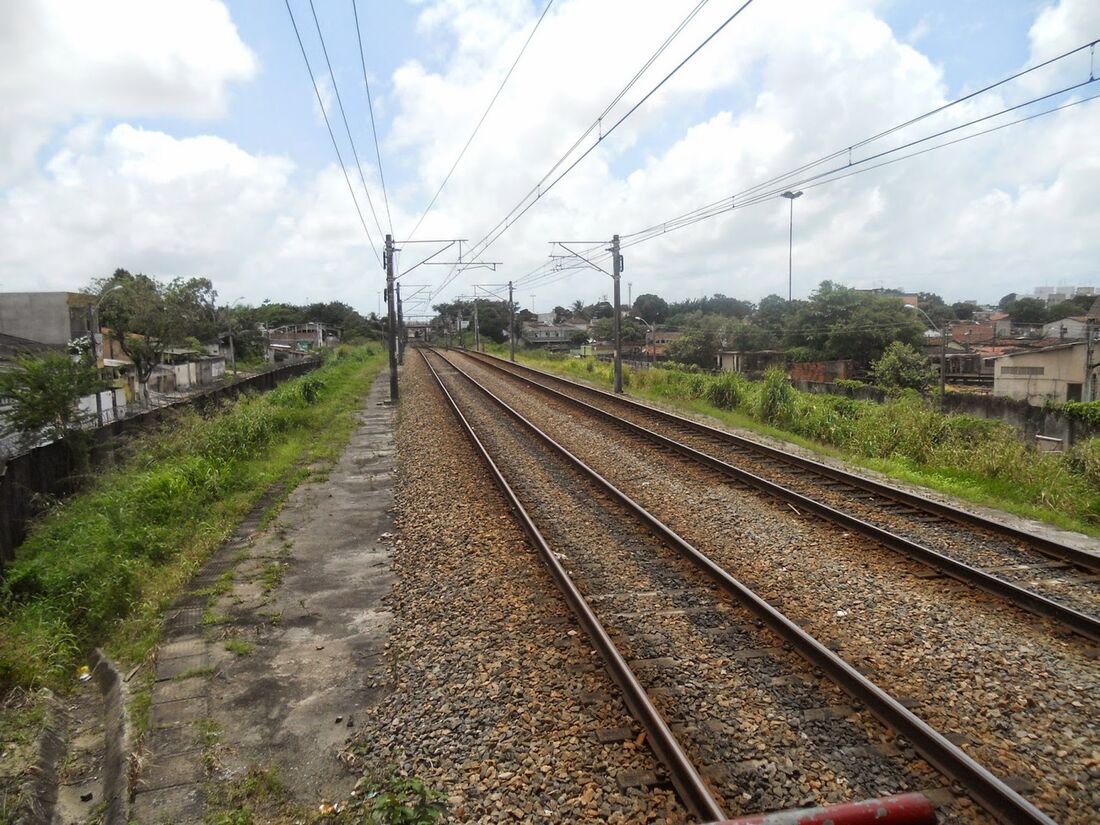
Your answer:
<point x="391" y="311"/>
<point x="93" y="324"/>
<point x="400" y="328"/>
<point x="616" y="273"/>
<point x="790" y="246"/>
<point x="477" y="331"/>
<point x="630" y="293"/>
<point x="511" y="322"/>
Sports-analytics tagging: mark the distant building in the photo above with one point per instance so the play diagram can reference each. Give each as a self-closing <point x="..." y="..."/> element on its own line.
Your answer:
<point x="657" y="341"/>
<point x="53" y="318"/>
<point x="300" y="340"/>
<point x="1067" y="329"/>
<point x="1057" y="294"/>
<point x="1056" y="373"/>
<point x="551" y="336"/>
<point x="751" y="364"/>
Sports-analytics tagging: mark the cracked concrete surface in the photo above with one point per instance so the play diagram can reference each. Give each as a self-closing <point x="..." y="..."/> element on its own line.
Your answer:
<point x="281" y="641"/>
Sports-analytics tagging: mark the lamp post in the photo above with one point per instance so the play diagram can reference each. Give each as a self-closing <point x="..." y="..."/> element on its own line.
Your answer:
<point x="943" y="352"/>
<point x="649" y="330"/>
<point x="791" y="196"/>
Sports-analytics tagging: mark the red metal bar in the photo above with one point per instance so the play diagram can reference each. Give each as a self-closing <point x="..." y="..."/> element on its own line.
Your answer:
<point x="906" y="809"/>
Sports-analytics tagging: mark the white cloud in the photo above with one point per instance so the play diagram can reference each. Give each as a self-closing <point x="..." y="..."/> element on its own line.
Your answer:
<point x="64" y="59"/>
<point x="783" y="84"/>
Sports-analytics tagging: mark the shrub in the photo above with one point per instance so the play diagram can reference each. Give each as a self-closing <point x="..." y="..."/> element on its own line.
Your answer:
<point x="1087" y="411"/>
<point x="726" y="391"/>
<point x="776" y="401"/>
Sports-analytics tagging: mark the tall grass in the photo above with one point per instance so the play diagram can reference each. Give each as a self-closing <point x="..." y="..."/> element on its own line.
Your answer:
<point x="980" y="459"/>
<point x="108" y="552"/>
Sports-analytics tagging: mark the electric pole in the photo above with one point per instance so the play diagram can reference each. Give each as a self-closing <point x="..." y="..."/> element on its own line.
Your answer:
<point x="400" y="328"/>
<point x="616" y="273"/>
<point x="511" y="322"/>
<point x="477" y="331"/>
<point x="391" y="311"/>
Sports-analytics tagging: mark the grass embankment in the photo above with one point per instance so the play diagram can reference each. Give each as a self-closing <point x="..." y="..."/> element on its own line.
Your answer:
<point x="977" y="459"/>
<point x="102" y="566"/>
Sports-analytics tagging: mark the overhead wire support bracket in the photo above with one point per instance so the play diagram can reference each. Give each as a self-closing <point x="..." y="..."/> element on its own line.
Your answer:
<point x="449" y="243"/>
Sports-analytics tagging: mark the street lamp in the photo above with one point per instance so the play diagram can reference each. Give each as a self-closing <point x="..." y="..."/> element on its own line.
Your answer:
<point x="790" y="245"/>
<point x="943" y="351"/>
<point x="649" y="329"/>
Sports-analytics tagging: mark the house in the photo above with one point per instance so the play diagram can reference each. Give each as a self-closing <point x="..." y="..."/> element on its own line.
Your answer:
<point x="657" y="341"/>
<point x="1072" y="328"/>
<point x="1056" y="373"/>
<point x="52" y="318"/>
<point x="299" y="340"/>
<point x="751" y="364"/>
<point x="969" y="333"/>
<point x="1002" y="324"/>
<point x="551" y="336"/>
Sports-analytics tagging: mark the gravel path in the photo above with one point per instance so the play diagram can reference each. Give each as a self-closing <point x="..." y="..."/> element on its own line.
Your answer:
<point x="1018" y="694"/>
<point x="495" y="699"/>
<point x="769" y="733"/>
<point x="1009" y="559"/>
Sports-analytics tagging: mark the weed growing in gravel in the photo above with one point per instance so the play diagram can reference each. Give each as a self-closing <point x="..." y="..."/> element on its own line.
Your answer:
<point x="977" y="459"/>
<point x="392" y="800"/>
<point x="272" y="576"/>
<point x="239" y="647"/>
<point x="102" y="566"/>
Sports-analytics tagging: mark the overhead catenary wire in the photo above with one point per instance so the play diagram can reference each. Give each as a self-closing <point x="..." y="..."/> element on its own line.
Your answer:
<point x="332" y="135"/>
<point x="484" y="115"/>
<point x="370" y="107"/>
<point x="538" y="191"/>
<point x="545" y="273"/>
<point x="344" y="116"/>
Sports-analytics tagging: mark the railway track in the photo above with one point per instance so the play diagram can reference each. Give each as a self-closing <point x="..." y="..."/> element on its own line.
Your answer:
<point x="1047" y="578"/>
<point x="727" y="681"/>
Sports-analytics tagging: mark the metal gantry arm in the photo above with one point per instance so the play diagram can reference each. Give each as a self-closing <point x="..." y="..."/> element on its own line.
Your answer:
<point x="615" y="275"/>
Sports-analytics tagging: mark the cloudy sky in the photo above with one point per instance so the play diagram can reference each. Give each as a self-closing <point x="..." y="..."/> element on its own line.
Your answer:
<point x="185" y="138"/>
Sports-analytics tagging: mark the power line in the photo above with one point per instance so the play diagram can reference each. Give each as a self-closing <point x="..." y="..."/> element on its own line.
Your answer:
<point x="370" y="106"/>
<point x="343" y="115"/>
<point x="537" y="191"/>
<point x="540" y="276"/>
<point x="332" y="136"/>
<point x="484" y="115"/>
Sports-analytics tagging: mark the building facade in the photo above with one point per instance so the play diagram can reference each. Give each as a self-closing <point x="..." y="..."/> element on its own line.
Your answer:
<point x="1056" y="373"/>
<point x="52" y="318"/>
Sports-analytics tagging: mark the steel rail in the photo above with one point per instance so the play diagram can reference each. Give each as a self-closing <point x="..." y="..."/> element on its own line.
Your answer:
<point x="685" y="778"/>
<point x="1048" y="547"/>
<point x="998" y="799"/>
<point x="1080" y="623"/>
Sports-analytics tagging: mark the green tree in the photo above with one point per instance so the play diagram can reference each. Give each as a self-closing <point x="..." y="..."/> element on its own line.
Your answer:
<point x="146" y="316"/>
<point x="963" y="311"/>
<point x="838" y="322"/>
<point x="651" y="307"/>
<point x="1027" y="311"/>
<point x="43" y="394"/>
<point x="902" y="367"/>
<point x="699" y="348"/>
<point x="577" y="310"/>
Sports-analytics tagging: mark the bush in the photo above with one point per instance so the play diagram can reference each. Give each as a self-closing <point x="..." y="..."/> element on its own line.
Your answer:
<point x="776" y="401"/>
<point x="726" y="391"/>
<point x="88" y="562"/>
<point x="1087" y="411"/>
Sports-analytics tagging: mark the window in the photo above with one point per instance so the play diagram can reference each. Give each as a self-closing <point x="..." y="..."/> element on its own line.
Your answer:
<point x="1022" y="370"/>
<point x="1073" y="392"/>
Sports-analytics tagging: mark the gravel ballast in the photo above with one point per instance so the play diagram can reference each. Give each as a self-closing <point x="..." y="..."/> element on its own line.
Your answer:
<point x="1015" y="690"/>
<point x="767" y="731"/>
<point x="494" y="698"/>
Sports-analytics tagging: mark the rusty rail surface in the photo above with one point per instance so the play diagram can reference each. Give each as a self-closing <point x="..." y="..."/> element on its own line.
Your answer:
<point x="1080" y="623"/>
<point x="996" y="797"/>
